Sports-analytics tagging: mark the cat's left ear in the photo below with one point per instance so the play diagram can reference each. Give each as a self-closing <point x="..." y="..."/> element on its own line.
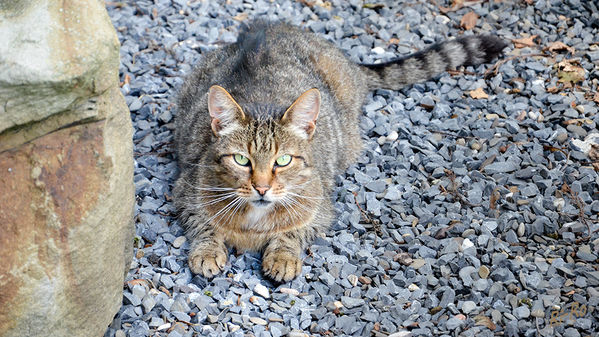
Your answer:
<point x="302" y="114"/>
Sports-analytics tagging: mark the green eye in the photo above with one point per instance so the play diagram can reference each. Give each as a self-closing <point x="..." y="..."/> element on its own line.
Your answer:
<point x="241" y="160"/>
<point x="284" y="160"/>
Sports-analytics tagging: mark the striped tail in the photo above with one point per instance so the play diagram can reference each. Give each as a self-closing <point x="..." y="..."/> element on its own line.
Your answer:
<point x="420" y="66"/>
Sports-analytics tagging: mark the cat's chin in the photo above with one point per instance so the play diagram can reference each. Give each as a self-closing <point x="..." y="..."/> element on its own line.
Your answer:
<point x="261" y="204"/>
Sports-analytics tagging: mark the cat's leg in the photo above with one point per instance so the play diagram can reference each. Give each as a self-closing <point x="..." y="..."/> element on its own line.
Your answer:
<point x="208" y="253"/>
<point x="281" y="256"/>
<point x="207" y="258"/>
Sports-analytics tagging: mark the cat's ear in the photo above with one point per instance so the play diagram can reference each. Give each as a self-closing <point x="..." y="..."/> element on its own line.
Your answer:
<point x="225" y="112"/>
<point x="302" y="114"/>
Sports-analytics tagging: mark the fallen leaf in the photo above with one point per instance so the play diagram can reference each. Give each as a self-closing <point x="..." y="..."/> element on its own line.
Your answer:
<point x="469" y="20"/>
<point x="569" y="72"/>
<point x="487" y="162"/>
<point x="577" y="121"/>
<point x="240" y="17"/>
<point x="455" y="5"/>
<point x="558" y="46"/>
<point x="435" y="310"/>
<point x="141" y="282"/>
<point x="393" y="40"/>
<point x="525" y="41"/>
<point x="485" y="321"/>
<point x="552" y="90"/>
<point x="478" y="93"/>
<point x="373" y="6"/>
<point x="494" y="197"/>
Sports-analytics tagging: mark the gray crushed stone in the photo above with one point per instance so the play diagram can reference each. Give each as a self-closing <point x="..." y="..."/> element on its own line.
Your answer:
<point x="481" y="208"/>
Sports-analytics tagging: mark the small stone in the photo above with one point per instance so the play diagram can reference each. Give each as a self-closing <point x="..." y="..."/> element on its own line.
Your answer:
<point x="521" y="229"/>
<point x="148" y="303"/>
<point x="483" y="272"/>
<point x="538" y="309"/>
<point x="468" y="306"/>
<point x="418" y="263"/>
<point x="453" y="323"/>
<point x="392" y="136"/>
<point x="571" y="332"/>
<point x="297" y="333"/>
<point x="258" y="320"/>
<point x="403" y="258"/>
<point x="350" y="302"/>
<point x="178" y="242"/>
<point x="365" y="280"/>
<point x="522" y="312"/>
<point x="413" y="287"/>
<point x="501" y="167"/>
<point x="261" y="290"/>
<point x="289" y="291"/>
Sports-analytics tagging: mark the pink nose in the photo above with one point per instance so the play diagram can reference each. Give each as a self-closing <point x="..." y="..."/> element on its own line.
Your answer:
<point x="262" y="189"/>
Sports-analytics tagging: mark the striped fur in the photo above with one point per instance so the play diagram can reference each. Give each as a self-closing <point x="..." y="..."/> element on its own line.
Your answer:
<point x="264" y="103"/>
<point x="464" y="51"/>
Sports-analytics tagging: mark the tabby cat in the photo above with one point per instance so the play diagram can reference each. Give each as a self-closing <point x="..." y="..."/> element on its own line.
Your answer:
<point x="265" y="124"/>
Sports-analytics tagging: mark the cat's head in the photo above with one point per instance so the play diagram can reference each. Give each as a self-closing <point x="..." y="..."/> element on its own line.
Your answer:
<point x="266" y="161"/>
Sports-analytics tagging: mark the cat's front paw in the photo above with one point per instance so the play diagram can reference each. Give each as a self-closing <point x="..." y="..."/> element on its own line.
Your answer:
<point x="207" y="262"/>
<point x="281" y="266"/>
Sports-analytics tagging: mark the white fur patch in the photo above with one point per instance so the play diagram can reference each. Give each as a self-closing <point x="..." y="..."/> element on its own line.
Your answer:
<point x="255" y="217"/>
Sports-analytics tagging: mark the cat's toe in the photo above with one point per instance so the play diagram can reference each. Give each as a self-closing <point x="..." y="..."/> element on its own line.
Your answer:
<point x="207" y="262"/>
<point x="281" y="266"/>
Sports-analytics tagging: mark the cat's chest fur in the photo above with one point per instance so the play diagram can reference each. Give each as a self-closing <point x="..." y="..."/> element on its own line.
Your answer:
<point x="256" y="218"/>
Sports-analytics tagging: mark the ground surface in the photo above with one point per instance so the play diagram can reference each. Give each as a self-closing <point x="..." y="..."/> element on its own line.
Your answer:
<point x="474" y="215"/>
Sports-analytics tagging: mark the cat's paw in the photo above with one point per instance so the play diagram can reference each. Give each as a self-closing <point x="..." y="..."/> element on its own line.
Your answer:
<point x="207" y="262"/>
<point x="281" y="266"/>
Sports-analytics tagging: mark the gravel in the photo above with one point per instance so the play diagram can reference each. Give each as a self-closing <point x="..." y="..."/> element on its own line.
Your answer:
<point x="481" y="213"/>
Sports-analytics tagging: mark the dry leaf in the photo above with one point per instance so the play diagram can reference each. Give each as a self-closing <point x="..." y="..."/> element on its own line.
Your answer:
<point x="577" y="121"/>
<point x="373" y="6"/>
<point x="485" y="321"/>
<point x="240" y="17"/>
<point x="478" y="94"/>
<point x="552" y="90"/>
<point x="469" y="20"/>
<point x="525" y="41"/>
<point x="494" y="197"/>
<point x="569" y="72"/>
<point x="557" y="46"/>
<point x="141" y="282"/>
<point x="393" y="40"/>
<point x="456" y="5"/>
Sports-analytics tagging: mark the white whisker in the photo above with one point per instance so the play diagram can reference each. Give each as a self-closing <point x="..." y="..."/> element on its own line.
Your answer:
<point x="304" y="196"/>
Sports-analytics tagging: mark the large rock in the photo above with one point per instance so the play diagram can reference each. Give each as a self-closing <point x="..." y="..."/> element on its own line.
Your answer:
<point x="66" y="170"/>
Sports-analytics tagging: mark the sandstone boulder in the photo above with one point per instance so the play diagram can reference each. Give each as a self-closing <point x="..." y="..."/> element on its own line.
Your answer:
<point x="66" y="171"/>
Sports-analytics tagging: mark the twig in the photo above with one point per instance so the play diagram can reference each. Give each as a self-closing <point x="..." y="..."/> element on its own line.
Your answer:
<point x="454" y="190"/>
<point x="499" y="63"/>
<point x="580" y="205"/>
<point x="451" y="134"/>
<point x="375" y="223"/>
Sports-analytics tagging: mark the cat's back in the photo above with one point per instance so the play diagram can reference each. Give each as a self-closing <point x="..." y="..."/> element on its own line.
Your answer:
<point x="274" y="63"/>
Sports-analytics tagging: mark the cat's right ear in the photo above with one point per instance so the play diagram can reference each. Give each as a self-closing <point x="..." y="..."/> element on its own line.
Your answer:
<point x="226" y="114"/>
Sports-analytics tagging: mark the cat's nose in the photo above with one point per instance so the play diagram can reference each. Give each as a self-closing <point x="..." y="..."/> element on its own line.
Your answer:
<point x="262" y="189"/>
